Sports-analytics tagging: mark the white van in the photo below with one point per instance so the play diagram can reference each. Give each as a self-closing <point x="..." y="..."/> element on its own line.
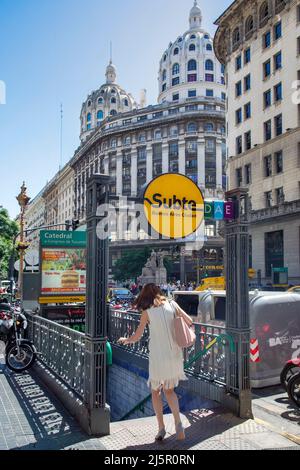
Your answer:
<point x="274" y="323"/>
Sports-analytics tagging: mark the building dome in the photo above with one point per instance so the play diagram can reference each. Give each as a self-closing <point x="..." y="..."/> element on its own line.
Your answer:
<point x="109" y="100"/>
<point x="195" y="16"/>
<point x="189" y="67"/>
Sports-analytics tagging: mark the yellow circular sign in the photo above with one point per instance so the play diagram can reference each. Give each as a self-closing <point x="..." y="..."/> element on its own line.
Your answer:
<point x="174" y="206"/>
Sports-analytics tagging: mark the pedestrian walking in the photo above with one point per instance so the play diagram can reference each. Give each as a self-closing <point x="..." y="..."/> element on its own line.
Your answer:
<point x="166" y="365"/>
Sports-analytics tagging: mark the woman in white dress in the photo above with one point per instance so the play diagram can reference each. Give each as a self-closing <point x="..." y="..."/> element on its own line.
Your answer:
<point x="165" y="356"/>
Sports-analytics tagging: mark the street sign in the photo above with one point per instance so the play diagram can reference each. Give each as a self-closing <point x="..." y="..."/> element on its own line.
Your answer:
<point x="280" y="277"/>
<point x="174" y="206"/>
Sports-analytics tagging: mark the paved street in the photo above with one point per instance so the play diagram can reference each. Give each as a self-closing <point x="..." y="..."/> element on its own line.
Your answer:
<point x="32" y="418"/>
<point x="271" y="405"/>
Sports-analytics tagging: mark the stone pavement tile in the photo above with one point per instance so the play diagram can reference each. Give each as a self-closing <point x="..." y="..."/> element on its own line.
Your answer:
<point x="269" y="439"/>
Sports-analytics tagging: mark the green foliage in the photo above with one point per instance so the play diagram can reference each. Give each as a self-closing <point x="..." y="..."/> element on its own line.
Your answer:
<point x="8" y="230"/>
<point x="131" y="264"/>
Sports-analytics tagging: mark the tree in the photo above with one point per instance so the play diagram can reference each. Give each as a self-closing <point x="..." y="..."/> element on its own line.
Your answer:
<point x="8" y="230"/>
<point x="131" y="264"/>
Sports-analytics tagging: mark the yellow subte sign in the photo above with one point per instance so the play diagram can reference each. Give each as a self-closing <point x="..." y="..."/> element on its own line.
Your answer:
<point x="174" y="206"/>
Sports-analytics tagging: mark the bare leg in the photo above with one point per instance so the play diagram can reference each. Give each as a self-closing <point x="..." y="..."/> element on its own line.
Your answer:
<point x="172" y="400"/>
<point x="158" y="408"/>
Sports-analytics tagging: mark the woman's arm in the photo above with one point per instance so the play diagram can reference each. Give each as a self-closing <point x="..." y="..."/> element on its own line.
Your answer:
<point x="181" y="313"/>
<point x="139" y="332"/>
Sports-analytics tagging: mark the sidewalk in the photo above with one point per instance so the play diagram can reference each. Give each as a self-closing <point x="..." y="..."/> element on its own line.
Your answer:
<point x="32" y="418"/>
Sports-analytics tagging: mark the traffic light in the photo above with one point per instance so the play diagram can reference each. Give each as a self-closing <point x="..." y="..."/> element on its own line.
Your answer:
<point x="75" y="224"/>
<point x="68" y="224"/>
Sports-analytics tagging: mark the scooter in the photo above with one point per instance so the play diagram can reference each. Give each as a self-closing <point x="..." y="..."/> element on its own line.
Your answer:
<point x="20" y="353"/>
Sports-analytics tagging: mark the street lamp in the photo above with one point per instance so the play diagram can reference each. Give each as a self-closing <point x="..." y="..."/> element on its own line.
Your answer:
<point x="23" y="201"/>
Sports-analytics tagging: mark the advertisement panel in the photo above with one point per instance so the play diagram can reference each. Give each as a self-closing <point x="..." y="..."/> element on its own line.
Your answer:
<point x="63" y="265"/>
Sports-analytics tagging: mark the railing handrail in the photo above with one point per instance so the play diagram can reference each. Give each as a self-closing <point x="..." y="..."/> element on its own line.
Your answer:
<point x="32" y="317"/>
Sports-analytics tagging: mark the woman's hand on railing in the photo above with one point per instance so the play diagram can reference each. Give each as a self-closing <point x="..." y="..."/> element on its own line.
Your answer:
<point x="123" y="341"/>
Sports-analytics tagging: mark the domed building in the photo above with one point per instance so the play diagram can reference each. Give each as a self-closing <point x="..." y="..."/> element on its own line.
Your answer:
<point x="109" y="100"/>
<point x="189" y="67"/>
<point x="183" y="133"/>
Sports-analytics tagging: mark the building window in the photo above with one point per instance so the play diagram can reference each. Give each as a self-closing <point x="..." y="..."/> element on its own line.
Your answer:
<point x="223" y="96"/>
<point x="274" y="251"/>
<point x="174" y="131"/>
<point x="239" y="146"/>
<point x="113" y="100"/>
<point x="278" y="124"/>
<point x="298" y="13"/>
<point x="247" y="111"/>
<point x="277" y="31"/>
<point x="268" y="199"/>
<point x="267" y="69"/>
<point x="236" y="36"/>
<point x="268" y="166"/>
<point x="142" y="138"/>
<point x="209" y="127"/>
<point x="100" y="115"/>
<point x="264" y="12"/>
<point x="192" y="65"/>
<point x="238" y="89"/>
<point x="298" y="45"/>
<point x="249" y="25"/>
<point x="279" y="162"/>
<point x="142" y="154"/>
<point x="208" y="47"/>
<point x="100" y="100"/>
<point x="248" y="140"/>
<point x="173" y="149"/>
<point x="278" y="61"/>
<point x="268" y="130"/>
<point x="192" y="77"/>
<point x="239" y="177"/>
<point x="157" y="134"/>
<point x="267" y="99"/>
<point x="164" y="75"/>
<point x="175" y="81"/>
<point x="113" y="112"/>
<point x="192" y="147"/>
<point x="247" y="82"/>
<point x="248" y="174"/>
<point x="88" y="127"/>
<point x="164" y="87"/>
<point x="192" y="127"/>
<point x="209" y="93"/>
<point x="278" y="92"/>
<point x="238" y="116"/>
<point x="176" y="97"/>
<point x="209" y="77"/>
<point x="192" y="93"/>
<point x="176" y="51"/>
<point x="192" y="47"/>
<point x="238" y="63"/>
<point x="175" y="69"/>
<point x="247" y="55"/>
<point x="267" y="39"/>
<point x="89" y="117"/>
<point x="209" y="65"/>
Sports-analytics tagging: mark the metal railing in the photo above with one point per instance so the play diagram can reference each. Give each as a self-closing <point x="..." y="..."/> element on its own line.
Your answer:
<point x="209" y="366"/>
<point x="60" y="349"/>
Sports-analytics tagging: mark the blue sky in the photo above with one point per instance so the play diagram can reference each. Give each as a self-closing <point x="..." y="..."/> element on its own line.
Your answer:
<point x="55" y="51"/>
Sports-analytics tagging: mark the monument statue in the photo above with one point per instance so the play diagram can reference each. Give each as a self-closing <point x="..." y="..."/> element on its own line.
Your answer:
<point x="154" y="271"/>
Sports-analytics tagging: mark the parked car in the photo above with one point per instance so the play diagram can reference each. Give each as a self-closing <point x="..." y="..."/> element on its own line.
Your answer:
<point x="121" y="293"/>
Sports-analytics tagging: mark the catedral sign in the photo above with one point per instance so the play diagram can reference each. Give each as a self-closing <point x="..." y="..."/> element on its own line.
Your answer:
<point x="63" y="266"/>
<point x="175" y="208"/>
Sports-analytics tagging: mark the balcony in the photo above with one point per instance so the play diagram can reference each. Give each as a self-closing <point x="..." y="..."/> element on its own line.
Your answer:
<point x="287" y="209"/>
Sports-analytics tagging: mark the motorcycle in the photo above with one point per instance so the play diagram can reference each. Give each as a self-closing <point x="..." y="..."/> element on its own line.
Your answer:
<point x="293" y="388"/>
<point x="20" y="353"/>
<point x="291" y="368"/>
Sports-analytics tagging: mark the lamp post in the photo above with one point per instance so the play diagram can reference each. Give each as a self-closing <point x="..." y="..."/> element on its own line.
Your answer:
<point x="23" y="201"/>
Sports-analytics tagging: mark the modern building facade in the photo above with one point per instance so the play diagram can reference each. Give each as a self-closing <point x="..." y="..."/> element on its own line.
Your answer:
<point x="259" y="43"/>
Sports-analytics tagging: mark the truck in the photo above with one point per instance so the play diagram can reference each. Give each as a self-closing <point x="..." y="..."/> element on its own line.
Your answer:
<point x="274" y="324"/>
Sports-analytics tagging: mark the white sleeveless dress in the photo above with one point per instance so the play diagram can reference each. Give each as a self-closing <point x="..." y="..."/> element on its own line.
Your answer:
<point x="166" y="367"/>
